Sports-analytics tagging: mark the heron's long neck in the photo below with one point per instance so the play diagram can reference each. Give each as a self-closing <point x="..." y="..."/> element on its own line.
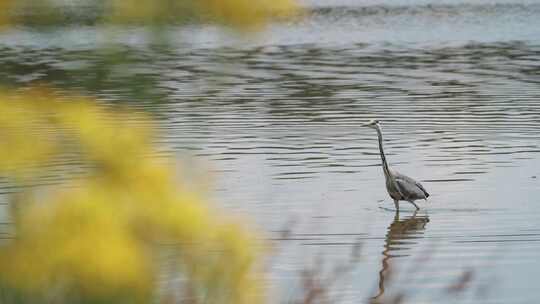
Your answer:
<point x="383" y="157"/>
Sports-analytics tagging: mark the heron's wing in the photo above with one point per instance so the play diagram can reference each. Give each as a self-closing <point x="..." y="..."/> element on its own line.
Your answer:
<point x="423" y="189"/>
<point x="409" y="187"/>
<point x="409" y="191"/>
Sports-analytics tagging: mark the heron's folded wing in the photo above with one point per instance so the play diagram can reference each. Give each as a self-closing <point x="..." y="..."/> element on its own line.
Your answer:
<point x="410" y="190"/>
<point x="411" y="181"/>
<point x="423" y="189"/>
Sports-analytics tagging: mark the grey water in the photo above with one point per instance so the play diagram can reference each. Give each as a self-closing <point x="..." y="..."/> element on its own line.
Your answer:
<point x="274" y="119"/>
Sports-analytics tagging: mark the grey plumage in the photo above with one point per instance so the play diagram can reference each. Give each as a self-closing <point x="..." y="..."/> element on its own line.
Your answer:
<point x="400" y="187"/>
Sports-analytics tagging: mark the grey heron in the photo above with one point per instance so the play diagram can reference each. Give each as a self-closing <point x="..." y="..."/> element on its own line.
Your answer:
<point x="400" y="187"/>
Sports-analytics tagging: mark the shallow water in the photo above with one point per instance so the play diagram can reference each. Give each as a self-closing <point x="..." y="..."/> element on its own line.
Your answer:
<point x="276" y="122"/>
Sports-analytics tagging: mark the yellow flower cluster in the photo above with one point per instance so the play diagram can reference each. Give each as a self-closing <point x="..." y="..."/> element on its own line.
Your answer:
<point x="99" y="237"/>
<point x="5" y="6"/>
<point x="243" y="14"/>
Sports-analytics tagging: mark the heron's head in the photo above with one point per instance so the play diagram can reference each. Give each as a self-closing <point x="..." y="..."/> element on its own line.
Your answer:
<point x="374" y="124"/>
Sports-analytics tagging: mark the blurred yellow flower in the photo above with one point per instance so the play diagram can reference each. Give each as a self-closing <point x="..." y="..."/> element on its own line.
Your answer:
<point x="246" y="13"/>
<point x="25" y="135"/>
<point x="243" y="14"/>
<point x="5" y="7"/>
<point x="99" y="237"/>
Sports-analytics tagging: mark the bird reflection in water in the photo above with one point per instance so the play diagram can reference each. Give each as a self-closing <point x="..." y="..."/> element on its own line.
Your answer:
<point x="400" y="236"/>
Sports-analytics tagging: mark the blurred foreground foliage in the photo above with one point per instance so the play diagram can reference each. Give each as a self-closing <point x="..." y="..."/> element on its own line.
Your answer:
<point x="100" y="237"/>
<point x="239" y="13"/>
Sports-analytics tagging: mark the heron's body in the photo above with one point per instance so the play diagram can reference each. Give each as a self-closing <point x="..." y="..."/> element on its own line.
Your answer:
<point x="400" y="187"/>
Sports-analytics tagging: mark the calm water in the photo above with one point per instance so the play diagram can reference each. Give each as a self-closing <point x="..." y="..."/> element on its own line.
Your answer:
<point x="275" y="120"/>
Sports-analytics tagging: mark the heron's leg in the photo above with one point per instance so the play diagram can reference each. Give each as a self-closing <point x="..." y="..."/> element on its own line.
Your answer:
<point x="415" y="205"/>
<point x="396" y="203"/>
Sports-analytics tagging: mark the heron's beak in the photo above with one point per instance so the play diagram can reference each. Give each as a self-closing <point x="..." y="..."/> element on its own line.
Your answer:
<point x="365" y="125"/>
